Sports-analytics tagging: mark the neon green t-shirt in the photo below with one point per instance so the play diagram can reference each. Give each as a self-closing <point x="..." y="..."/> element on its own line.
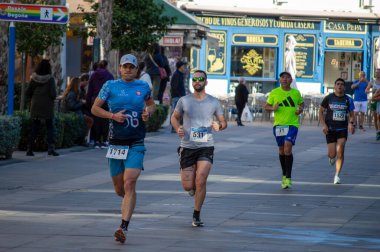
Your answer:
<point x="288" y="104"/>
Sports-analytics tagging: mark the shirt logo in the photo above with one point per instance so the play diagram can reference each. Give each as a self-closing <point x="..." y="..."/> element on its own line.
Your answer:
<point x="138" y="93"/>
<point x="288" y="102"/>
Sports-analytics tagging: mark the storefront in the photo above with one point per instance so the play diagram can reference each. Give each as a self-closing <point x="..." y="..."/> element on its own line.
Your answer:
<point x="316" y="51"/>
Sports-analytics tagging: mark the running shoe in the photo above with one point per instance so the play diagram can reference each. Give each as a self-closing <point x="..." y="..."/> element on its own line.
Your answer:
<point x="332" y="161"/>
<point x="283" y="184"/>
<point x="336" y="180"/>
<point x="361" y="127"/>
<point x="288" y="182"/>
<point x="197" y="223"/>
<point x="121" y="235"/>
<point x="191" y="192"/>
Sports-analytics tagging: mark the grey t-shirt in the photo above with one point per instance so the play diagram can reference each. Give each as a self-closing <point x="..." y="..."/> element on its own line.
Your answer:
<point x="198" y="116"/>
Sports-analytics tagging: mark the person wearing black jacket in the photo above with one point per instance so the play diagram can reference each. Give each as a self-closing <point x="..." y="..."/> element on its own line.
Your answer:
<point x="177" y="85"/>
<point x="241" y="98"/>
<point x="164" y="81"/>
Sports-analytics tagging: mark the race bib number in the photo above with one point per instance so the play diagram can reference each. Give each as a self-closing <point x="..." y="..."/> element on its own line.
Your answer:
<point x="282" y="130"/>
<point x="117" y="152"/>
<point x="199" y="135"/>
<point x="339" y="115"/>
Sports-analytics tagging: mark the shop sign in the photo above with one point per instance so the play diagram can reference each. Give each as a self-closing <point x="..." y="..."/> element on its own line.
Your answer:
<point x="344" y="27"/>
<point x="216" y="54"/>
<point x="344" y="43"/>
<point x="259" y="22"/>
<point x="254" y="39"/>
<point x="171" y="41"/>
<point x="304" y="54"/>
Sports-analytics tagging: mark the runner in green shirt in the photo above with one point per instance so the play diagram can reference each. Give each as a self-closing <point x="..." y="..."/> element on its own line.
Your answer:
<point x="287" y="104"/>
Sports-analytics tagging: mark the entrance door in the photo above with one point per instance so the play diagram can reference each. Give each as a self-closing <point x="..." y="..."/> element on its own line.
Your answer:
<point x="341" y="64"/>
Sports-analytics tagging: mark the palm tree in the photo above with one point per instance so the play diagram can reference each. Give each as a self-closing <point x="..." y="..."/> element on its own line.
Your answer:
<point x="104" y="25"/>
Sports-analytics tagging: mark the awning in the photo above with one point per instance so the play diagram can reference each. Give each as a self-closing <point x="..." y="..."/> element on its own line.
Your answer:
<point x="184" y="21"/>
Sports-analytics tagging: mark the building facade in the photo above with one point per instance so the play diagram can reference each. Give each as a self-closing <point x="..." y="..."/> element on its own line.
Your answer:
<point x="315" y="47"/>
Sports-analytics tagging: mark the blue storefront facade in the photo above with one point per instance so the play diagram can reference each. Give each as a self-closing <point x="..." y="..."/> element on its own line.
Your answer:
<point x="259" y="48"/>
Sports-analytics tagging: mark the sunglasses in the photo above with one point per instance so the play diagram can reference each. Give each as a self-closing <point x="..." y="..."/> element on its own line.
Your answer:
<point x="200" y="79"/>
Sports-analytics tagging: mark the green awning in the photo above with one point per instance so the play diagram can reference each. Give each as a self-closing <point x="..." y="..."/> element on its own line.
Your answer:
<point x="184" y="20"/>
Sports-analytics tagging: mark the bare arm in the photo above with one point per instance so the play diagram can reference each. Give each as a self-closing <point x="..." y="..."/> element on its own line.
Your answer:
<point x="150" y="107"/>
<point x="175" y="121"/>
<point x="98" y="111"/>
<point x="351" y="125"/>
<point x="368" y="88"/>
<point x="219" y="125"/>
<point x="322" y="120"/>
<point x="270" y="108"/>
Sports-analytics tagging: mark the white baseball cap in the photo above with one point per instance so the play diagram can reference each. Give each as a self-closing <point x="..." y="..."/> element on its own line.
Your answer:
<point x="128" y="59"/>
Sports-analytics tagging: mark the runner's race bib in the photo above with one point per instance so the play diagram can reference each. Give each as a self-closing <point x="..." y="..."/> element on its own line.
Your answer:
<point x="339" y="115"/>
<point x="282" y="130"/>
<point x="117" y="152"/>
<point x="199" y="135"/>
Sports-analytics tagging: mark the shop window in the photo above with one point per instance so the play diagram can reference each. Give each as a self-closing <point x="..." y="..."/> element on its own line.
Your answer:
<point x="257" y="62"/>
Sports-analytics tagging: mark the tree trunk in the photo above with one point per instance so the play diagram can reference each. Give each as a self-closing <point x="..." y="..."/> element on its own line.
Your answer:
<point x="103" y="27"/>
<point x="3" y="66"/>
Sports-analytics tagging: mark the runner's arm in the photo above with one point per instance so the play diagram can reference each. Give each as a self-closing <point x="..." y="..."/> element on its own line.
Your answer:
<point x="98" y="111"/>
<point x="322" y="120"/>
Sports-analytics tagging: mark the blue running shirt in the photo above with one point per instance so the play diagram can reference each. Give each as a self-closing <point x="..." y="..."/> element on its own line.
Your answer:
<point x="131" y="96"/>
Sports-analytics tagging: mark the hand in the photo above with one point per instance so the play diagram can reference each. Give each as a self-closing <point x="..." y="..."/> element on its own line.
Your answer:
<point x="325" y="129"/>
<point x="145" y="115"/>
<point x="299" y="110"/>
<point x="119" y="116"/>
<point x="275" y="106"/>
<point x="215" y="126"/>
<point x="180" y="132"/>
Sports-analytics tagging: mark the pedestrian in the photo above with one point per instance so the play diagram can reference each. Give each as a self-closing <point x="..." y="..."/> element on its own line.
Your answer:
<point x="196" y="149"/>
<point x="374" y="105"/>
<point x="142" y="75"/>
<point x="287" y="104"/>
<point x="153" y="63"/>
<point x="241" y="99"/>
<point x="164" y="81"/>
<point x="42" y="92"/>
<point x="360" y="99"/>
<point x="96" y="82"/>
<point x="177" y="85"/>
<point x="126" y="99"/>
<point x="74" y="103"/>
<point x="336" y="110"/>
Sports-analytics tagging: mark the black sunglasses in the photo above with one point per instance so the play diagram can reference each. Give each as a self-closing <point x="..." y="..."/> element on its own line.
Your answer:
<point x="195" y="79"/>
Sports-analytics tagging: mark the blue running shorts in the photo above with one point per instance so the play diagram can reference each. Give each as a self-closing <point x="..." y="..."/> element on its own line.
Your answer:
<point x="290" y="136"/>
<point x="134" y="159"/>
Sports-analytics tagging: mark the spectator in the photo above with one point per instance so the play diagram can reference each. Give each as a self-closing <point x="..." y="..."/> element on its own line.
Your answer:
<point x="152" y="68"/>
<point x="42" y="92"/>
<point x="164" y="81"/>
<point x="96" y="82"/>
<point x="142" y="75"/>
<point x="74" y="103"/>
<point x="241" y="99"/>
<point x="177" y="85"/>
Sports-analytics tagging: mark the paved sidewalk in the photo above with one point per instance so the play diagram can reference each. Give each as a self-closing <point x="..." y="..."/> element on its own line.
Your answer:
<point x="67" y="203"/>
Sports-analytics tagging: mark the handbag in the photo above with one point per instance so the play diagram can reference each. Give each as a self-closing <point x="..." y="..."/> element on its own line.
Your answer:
<point x="246" y="116"/>
<point x="163" y="73"/>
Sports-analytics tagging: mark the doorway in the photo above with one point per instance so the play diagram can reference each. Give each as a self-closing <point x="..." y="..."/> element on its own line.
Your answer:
<point x="341" y="64"/>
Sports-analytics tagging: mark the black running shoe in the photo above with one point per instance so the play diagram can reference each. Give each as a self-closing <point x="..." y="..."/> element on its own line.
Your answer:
<point x="197" y="223"/>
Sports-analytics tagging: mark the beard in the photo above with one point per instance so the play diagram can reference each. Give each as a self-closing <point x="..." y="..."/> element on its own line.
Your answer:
<point x="199" y="89"/>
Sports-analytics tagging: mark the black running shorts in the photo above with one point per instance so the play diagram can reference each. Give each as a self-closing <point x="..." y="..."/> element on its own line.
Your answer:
<point x="189" y="157"/>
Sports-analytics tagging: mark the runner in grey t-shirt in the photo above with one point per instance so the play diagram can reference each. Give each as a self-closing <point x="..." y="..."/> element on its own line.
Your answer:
<point x="198" y="116"/>
<point x="202" y="114"/>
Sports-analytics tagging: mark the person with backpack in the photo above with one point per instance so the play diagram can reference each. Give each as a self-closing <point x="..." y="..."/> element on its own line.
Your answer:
<point x="337" y="118"/>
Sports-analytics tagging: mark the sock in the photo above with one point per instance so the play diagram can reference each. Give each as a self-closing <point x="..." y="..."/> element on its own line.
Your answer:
<point x="124" y="224"/>
<point x="196" y="214"/>
<point x="282" y="161"/>
<point x="289" y="165"/>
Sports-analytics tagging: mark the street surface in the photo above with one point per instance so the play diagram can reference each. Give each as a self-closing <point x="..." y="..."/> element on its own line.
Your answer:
<point x="67" y="203"/>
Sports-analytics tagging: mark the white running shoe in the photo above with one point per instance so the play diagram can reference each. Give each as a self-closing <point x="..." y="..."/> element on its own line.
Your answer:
<point x="336" y="180"/>
<point x="191" y="192"/>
